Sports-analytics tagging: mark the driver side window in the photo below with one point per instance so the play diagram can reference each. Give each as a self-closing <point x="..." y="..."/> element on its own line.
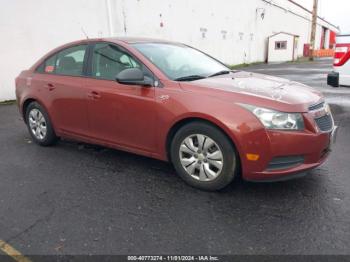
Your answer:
<point x="108" y="60"/>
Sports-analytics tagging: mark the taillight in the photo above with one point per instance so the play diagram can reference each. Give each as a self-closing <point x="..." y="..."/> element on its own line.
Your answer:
<point x="342" y="54"/>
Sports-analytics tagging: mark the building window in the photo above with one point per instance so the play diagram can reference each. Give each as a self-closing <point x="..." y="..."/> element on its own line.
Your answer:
<point x="280" y="45"/>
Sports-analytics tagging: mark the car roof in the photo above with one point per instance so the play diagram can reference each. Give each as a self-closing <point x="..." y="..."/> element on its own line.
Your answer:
<point x="128" y="40"/>
<point x="132" y="40"/>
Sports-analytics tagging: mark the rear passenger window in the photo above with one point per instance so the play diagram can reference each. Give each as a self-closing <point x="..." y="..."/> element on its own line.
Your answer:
<point x="70" y="61"/>
<point x="48" y="66"/>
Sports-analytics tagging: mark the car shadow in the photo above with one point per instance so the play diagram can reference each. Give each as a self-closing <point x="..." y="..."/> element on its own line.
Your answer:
<point x="152" y="171"/>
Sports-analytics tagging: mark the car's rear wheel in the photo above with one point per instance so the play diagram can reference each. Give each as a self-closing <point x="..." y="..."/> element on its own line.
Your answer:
<point x="39" y="125"/>
<point x="203" y="156"/>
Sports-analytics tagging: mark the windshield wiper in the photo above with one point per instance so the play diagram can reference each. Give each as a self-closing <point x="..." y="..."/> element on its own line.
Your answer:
<point x="190" y="78"/>
<point x="223" y="72"/>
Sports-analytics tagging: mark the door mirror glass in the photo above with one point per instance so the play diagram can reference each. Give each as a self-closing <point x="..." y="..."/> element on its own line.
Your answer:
<point x="133" y="76"/>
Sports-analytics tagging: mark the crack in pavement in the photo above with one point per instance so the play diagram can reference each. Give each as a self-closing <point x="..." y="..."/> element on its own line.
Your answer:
<point x="46" y="218"/>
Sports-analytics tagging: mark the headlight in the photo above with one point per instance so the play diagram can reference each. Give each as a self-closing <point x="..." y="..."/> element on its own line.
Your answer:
<point x="272" y="119"/>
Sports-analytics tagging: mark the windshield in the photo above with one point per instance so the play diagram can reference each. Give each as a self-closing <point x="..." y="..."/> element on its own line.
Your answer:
<point x="179" y="61"/>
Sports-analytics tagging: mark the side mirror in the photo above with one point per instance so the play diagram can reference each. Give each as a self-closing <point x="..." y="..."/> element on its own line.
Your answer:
<point x="133" y="76"/>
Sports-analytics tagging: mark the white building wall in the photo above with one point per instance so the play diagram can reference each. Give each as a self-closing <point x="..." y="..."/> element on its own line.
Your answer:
<point x="29" y="29"/>
<point x="247" y="32"/>
<point x="32" y="28"/>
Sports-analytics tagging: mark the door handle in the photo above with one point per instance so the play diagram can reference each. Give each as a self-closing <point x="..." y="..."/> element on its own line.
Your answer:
<point x="50" y="86"/>
<point x="94" y="95"/>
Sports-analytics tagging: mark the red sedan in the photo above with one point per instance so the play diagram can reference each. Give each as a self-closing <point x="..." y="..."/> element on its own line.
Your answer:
<point x="175" y="103"/>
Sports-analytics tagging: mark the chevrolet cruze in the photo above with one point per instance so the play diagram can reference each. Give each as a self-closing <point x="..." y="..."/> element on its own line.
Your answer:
<point x="175" y="103"/>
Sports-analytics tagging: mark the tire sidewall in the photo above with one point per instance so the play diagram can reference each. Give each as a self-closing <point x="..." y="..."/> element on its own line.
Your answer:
<point x="50" y="137"/>
<point x="229" y="155"/>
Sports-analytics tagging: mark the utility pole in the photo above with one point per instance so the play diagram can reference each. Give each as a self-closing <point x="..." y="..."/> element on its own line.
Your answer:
<point x="110" y="18"/>
<point x="313" y="29"/>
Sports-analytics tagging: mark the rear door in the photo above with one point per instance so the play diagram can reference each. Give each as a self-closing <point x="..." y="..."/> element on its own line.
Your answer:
<point x="61" y="80"/>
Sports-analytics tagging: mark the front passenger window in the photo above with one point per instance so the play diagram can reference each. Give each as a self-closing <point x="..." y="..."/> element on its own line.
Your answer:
<point x="108" y="60"/>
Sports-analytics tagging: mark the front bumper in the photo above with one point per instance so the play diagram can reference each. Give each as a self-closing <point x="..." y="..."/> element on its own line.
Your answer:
<point x="312" y="148"/>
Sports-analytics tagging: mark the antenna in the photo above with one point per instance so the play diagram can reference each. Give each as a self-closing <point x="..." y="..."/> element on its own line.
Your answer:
<point x="82" y="29"/>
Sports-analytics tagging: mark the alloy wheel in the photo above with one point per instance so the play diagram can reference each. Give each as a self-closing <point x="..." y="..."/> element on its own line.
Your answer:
<point x="201" y="157"/>
<point x="37" y="123"/>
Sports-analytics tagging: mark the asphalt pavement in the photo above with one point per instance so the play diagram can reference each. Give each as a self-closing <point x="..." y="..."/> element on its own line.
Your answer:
<point x="76" y="198"/>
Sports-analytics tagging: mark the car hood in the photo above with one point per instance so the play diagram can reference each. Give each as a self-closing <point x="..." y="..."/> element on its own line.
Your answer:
<point x="259" y="88"/>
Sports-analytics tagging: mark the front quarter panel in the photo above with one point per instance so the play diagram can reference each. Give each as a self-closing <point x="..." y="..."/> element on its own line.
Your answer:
<point x="240" y="125"/>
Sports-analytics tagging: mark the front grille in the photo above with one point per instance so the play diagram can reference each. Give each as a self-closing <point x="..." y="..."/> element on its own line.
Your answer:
<point x="284" y="162"/>
<point x="324" y="123"/>
<point x="316" y="106"/>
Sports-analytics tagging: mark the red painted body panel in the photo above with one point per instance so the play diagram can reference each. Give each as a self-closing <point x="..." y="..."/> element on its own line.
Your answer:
<point x="138" y="119"/>
<point x="122" y="113"/>
<point x="332" y="39"/>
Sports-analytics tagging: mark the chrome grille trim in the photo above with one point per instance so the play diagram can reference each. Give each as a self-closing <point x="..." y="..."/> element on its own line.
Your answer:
<point x="325" y="123"/>
<point x="316" y="106"/>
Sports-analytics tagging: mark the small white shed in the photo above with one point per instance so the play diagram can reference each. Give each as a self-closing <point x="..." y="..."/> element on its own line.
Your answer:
<point x="282" y="47"/>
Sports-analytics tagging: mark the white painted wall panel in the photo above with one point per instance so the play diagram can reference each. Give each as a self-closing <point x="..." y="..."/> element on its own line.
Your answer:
<point x="29" y="29"/>
<point x="32" y="28"/>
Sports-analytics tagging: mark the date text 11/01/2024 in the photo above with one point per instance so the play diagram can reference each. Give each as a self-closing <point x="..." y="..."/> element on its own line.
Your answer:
<point x="173" y="258"/>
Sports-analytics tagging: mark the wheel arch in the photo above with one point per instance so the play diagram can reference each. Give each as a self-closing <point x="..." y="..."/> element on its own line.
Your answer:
<point x="27" y="102"/>
<point x="25" y="105"/>
<point x="190" y="119"/>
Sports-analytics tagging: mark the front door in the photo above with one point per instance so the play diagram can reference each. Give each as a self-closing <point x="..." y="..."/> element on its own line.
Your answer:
<point x="119" y="114"/>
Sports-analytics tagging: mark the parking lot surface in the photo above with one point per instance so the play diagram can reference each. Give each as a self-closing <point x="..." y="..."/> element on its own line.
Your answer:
<point x="82" y="199"/>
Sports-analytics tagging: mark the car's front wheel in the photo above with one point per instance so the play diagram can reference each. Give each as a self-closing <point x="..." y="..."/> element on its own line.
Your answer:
<point x="203" y="156"/>
<point x="39" y="125"/>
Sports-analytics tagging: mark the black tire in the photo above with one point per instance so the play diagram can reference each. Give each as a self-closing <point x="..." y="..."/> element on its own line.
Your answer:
<point x="50" y="137"/>
<point x="230" y="159"/>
